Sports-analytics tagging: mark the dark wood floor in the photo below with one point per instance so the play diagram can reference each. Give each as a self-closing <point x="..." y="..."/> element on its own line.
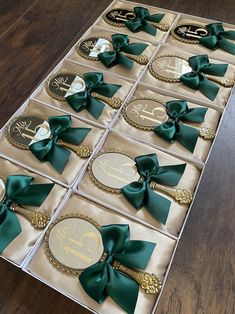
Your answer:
<point x="34" y="35"/>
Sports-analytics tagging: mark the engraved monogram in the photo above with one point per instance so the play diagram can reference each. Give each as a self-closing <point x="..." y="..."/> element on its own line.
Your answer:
<point x="118" y="17"/>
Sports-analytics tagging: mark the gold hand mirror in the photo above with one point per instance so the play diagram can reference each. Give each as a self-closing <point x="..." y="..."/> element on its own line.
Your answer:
<point x="64" y="84"/>
<point x="92" y="46"/>
<point x="169" y="68"/>
<point x="147" y="113"/>
<point x="28" y="129"/>
<point x="38" y="219"/>
<point x="74" y="242"/>
<point x="112" y="170"/>
<point x="118" y="17"/>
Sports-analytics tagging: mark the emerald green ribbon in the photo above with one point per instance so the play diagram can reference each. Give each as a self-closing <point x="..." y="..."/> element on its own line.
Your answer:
<point x="49" y="149"/>
<point x="140" y="23"/>
<point x="19" y="190"/>
<point x="175" y="130"/>
<point x="101" y="280"/>
<point x="140" y="194"/>
<point x="218" y="38"/>
<point x="196" y="79"/>
<point x="121" y="44"/>
<point x="94" y="82"/>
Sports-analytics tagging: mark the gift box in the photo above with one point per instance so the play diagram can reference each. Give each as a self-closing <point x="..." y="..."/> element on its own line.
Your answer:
<point x="142" y="97"/>
<point x="117" y="201"/>
<point x="197" y="96"/>
<point x="174" y="39"/>
<point x="41" y="268"/>
<point x="21" y="246"/>
<point x="25" y="156"/>
<point x="43" y="94"/>
<point x="132" y="73"/>
<point x="118" y="11"/>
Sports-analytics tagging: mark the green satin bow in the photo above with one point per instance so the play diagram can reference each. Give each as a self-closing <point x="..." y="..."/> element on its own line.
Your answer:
<point x="84" y="100"/>
<point x="218" y="38"/>
<point x="140" y="194"/>
<point x="101" y="280"/>
<point x="19" y="189"/>
<point x="121" y="44"/>
<point x="175" y="130"/>
<point x="49" y="149"/>
<point x="140" y="23"/>
<point x="197" y="80"/>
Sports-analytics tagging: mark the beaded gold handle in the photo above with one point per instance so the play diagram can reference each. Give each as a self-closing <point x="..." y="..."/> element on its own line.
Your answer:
<point x="113" y="102"/>
<point x="81" y="150"/>
<point x="150" y="283"/>
<point x="180" y="195"/>
<point x="206" y="133"/>
<point x="141" y="59"/>
<point x="224" y="81"/>
<point x="38" y="219"/>
<point x="162" y="26"/>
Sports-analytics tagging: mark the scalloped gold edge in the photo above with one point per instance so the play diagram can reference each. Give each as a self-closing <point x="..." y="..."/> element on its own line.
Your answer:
<point x="134" y="124"/>
<point x="50" y="256"/>
<point x="93" y="178"/>
<point x="8" y="126"/>
<point x="163" y="78"/>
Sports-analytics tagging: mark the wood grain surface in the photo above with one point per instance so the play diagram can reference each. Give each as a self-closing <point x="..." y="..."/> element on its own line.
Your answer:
<point x="34" y="36"/>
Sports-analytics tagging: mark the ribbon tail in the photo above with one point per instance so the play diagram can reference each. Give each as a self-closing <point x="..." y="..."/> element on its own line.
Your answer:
<point x="107" y="89"/>
<point x="95" y="107"/>
<point x="187" y="136"/>
<point x="150" y="29"/>
<point x="208" y="88"/>
<point x="227" y="46"/>
<point x="35" y="194"/>
<point x="157" y="205"/>
<point x="75" y="135"/>
<point x="118" y="286"/>
<point x="9" y="230"/>
<point x="135" y="49"/>
<point x="58" y="157"/>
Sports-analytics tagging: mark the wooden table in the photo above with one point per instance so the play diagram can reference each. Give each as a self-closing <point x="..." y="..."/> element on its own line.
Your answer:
<point x="34" y="35"/>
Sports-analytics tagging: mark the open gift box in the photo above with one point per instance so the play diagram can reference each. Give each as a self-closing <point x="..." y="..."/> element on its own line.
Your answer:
<point x="25" y="156"/>
<point x="186" y="31"/>
<point x="20" y="247"/>
<point x="44" y="94"/>
<point x="139" y="113"/>
<point x="118" y="12"/>
<point x="174" y="55"/>
<point x="117" y="201"/>
<point x="44" y="270"/>
<point x="85" y="52"/>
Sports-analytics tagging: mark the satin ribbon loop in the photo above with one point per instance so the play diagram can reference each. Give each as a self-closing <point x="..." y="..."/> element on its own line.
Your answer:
<point x="196" y="79"/>
<point x="139" y="193"/>
<point x="173" y="130"/>
<point x="50" y="150"/>
<point x="218" y="38"/>
<point x="140" y="23"/>
<point x="21" y="190"/>
<point x="121" y="44"/>
<point x="101" y="280"/>
<point x="94" y="82"/>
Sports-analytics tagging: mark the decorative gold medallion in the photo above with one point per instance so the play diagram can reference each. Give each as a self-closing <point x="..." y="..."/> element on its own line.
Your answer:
<point x="38" y="219"/>
<point x="145" y="113"/>
<point x="74" y="242"/>
<point x="113" y="170"/>
<point x="90" y="48"/>
<point x="189" y="33"/>
<point x="26" y="130"/>
<point x="64" y="84"/>
<point x="118" y="17"/>
<point x="169" y="68"/>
